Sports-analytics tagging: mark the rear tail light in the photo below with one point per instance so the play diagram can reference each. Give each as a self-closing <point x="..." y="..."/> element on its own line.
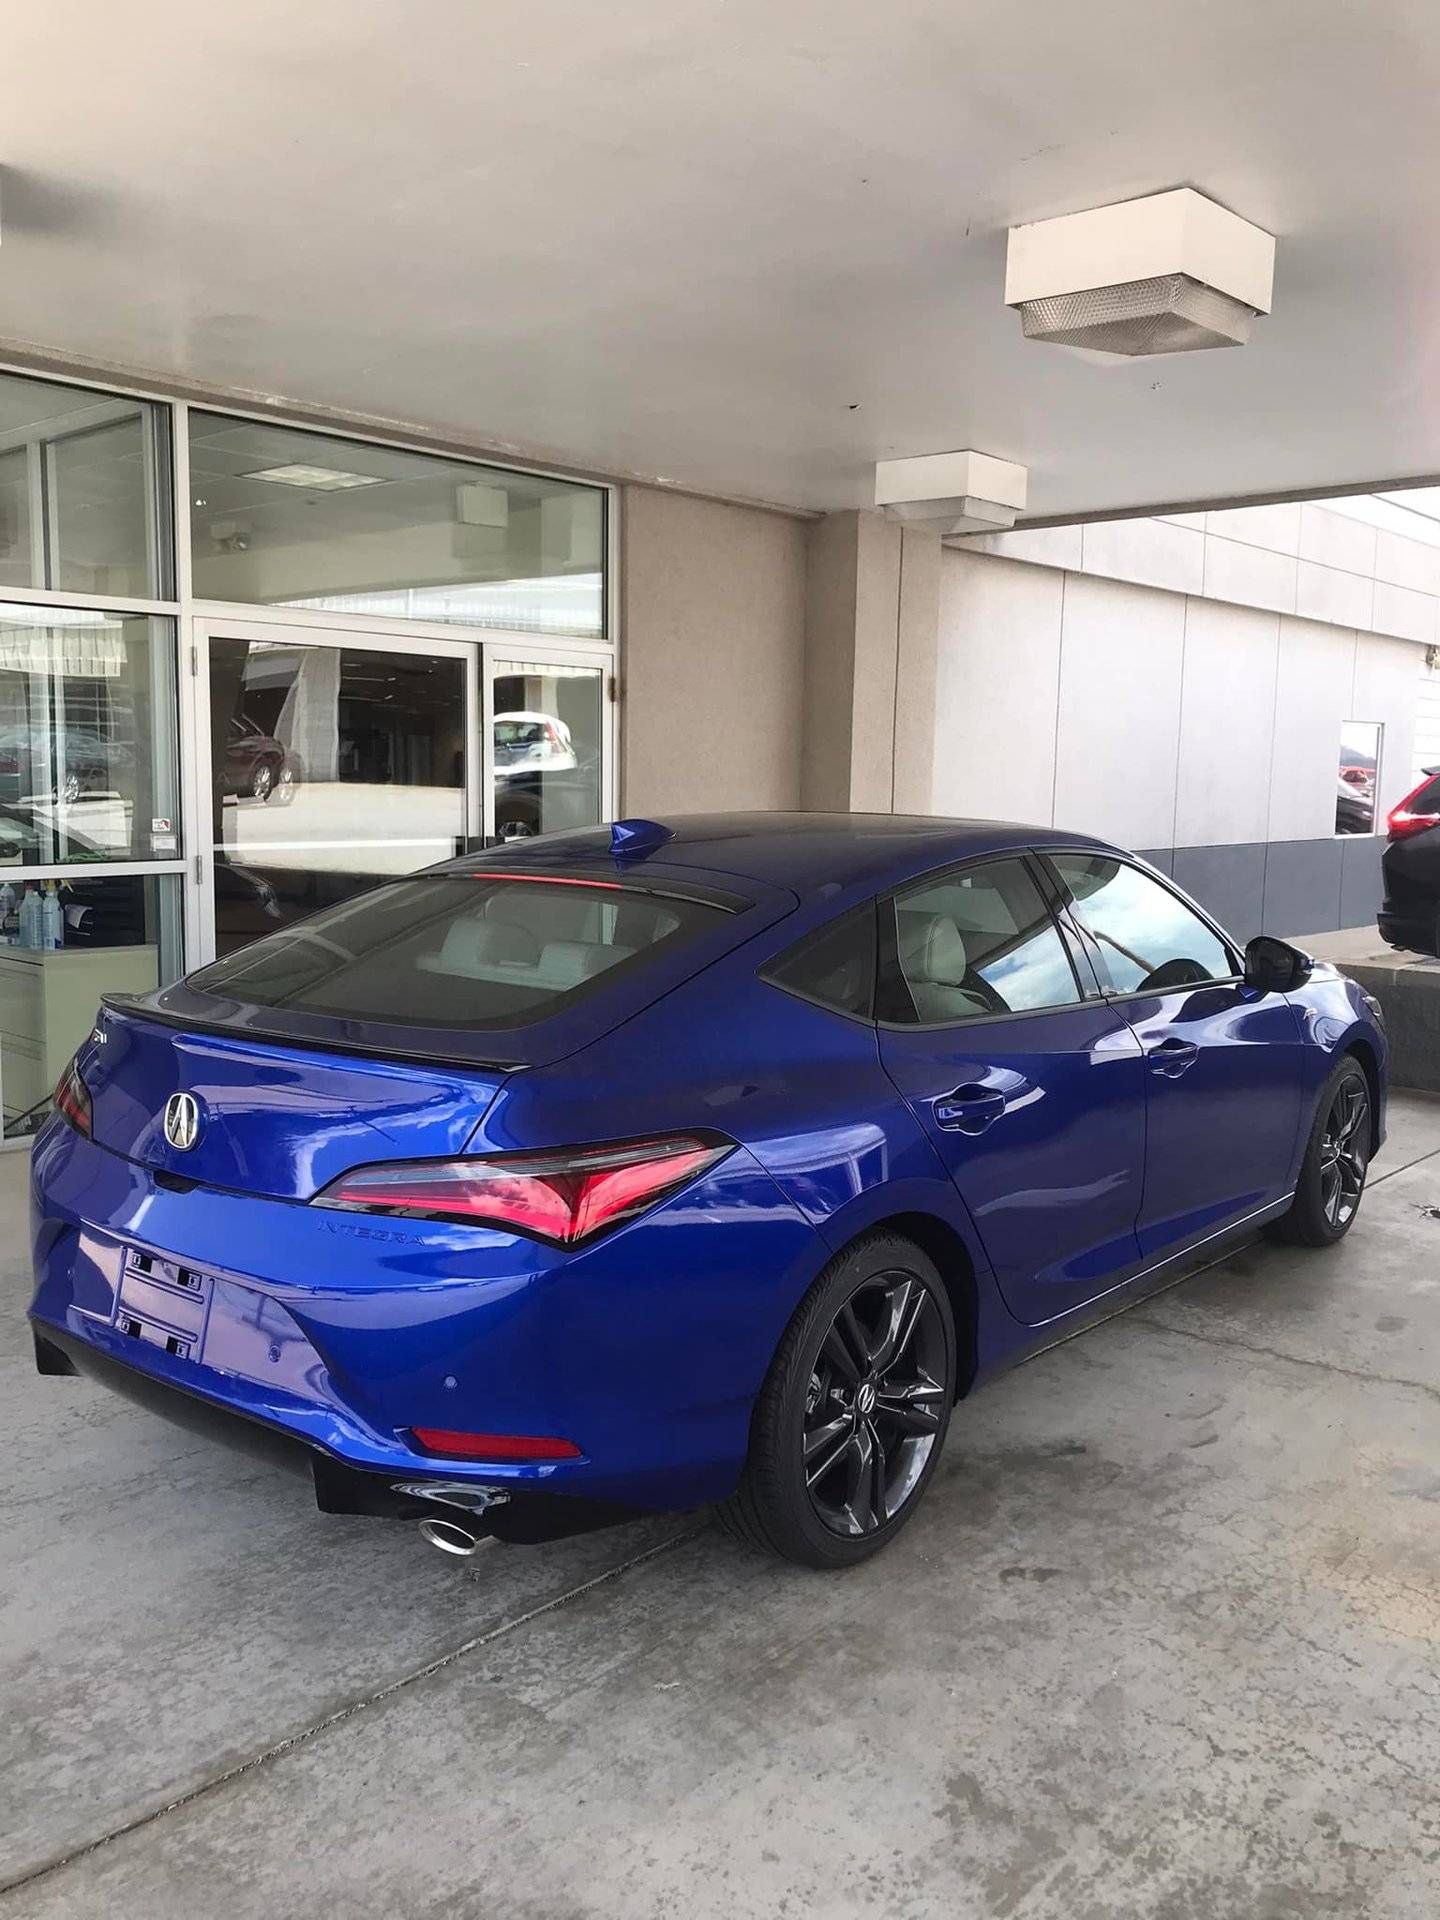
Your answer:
<point x="494" y="1446"/>
<point x="565" y="1195"/>
<point x="72" y="1100"/>
<point x="1405" y="820"/>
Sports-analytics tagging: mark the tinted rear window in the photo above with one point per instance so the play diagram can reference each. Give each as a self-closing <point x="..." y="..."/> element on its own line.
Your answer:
<point x="460" y="952"/>
<point x="835" y="966"/>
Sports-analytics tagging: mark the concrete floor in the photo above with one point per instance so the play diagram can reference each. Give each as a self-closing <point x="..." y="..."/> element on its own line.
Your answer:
<point x="1162" y="1642"/>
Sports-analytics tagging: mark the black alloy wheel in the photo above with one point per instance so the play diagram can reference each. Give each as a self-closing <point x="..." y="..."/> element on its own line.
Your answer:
<point x="849" y="1425"/>
<point x="1337" y="1160"/>
<point x="1345" y="1154"/>
<point x="872" y="1406"/>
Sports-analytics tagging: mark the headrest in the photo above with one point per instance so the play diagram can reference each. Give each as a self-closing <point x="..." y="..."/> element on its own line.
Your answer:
<point x="931" y="949"/>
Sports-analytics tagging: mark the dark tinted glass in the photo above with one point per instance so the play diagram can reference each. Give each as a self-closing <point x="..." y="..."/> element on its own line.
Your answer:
<point x="1147" y="938"/>
<point x="835" y="966"/>
<point x="976" y="943"/>
<point x="458" y="952"/>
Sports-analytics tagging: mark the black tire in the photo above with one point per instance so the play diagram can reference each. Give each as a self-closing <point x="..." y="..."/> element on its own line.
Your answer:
<point x="1337" y="1158"/>
<point x="262" y="781"/>
<point x="878" y="1318"/>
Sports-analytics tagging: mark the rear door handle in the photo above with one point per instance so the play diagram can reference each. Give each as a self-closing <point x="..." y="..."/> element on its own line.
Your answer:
<point x="969" y="1109"/>
<point x="1170" y="1058"/>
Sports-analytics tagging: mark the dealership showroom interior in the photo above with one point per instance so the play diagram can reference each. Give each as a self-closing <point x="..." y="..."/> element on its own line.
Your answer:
<point x="720" y="961"/>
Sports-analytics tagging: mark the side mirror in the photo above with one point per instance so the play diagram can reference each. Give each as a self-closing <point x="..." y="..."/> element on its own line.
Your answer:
<point x="1273" y="966"/>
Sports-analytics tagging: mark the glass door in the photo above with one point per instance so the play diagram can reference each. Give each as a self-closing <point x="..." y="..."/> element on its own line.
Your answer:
<point x="335" y="760"/>
<point x="548" y="716"/>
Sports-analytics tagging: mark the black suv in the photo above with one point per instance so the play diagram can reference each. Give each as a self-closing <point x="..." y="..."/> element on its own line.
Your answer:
<point x="1410" y="912"/>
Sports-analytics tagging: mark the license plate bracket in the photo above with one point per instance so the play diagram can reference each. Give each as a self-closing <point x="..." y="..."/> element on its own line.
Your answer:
<point x="163" y="1302"/>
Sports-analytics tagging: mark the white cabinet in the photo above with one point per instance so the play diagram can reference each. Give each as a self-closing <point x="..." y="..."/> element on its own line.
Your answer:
<point x="47" y="1005"/>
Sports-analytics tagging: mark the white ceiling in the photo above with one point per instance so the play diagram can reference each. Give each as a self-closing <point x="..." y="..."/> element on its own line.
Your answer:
<point x="749" y="245"/>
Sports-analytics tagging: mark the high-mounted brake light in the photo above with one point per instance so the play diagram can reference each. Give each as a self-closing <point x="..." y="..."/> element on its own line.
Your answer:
<point x="72" y="1100"/>
<point x="1405" y="820"/>
<point x="565" y="1195"/>
<point x="494" y="1446"/>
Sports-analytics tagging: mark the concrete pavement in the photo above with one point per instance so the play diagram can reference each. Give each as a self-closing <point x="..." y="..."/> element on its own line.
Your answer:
<point x="1162" y="1642"/>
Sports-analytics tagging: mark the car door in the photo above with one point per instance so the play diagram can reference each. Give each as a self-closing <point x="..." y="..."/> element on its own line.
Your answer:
<point x="1224" y="1062"/>
<point x="1029" y="1084"/>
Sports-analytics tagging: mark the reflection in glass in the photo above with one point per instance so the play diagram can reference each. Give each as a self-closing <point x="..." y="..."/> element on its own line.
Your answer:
<point x="98" y="934"/>
<point x="332" y="768"/>
<point x="546" y="748"/>
<point x="82" y="491"/>
<point x="281" y="517"/>
<point x="1148" y="938"/>
<point x="87" y="737"/>
<point x="1359" y="770"/>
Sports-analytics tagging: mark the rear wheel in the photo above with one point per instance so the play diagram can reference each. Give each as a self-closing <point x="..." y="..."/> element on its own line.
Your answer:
<point x="849" y="1424"/>
<point x="1337" y="1159"/>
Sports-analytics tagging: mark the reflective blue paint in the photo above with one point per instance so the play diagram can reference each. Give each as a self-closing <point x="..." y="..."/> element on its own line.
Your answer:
<point x="1044" y="1149"/>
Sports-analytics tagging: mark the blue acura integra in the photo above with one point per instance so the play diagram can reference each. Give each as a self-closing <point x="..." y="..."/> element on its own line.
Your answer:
<point x="712" y="1160"/>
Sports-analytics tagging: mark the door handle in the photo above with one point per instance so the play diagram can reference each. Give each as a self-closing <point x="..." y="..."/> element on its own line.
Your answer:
<point x="969" y="1109"/>
<point x="1170" y="1058"/>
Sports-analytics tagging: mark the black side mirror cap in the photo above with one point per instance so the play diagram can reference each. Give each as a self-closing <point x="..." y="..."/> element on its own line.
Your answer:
<point x="1274" y="966"/>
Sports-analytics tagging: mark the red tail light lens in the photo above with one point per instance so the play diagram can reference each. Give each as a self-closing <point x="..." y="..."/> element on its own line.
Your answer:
<point x="1409" y="818"/>
<point x="72" y="1100"/>
<point x="565" y="1196"/>
<point x="494" y="1446"/>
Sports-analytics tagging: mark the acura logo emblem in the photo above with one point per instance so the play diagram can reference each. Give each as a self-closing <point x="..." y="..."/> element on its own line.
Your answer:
<point x="182" y="1121"/>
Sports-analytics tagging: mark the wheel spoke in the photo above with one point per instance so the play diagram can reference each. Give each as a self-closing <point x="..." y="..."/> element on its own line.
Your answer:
<point x="913" y="1408"/>
<point x="859" y="1505"/>
<point x="904" y="1305"/>
<point x="824" y="1447"/>
<point x="879" y="1472"/>
<point x="846" y="1347"/>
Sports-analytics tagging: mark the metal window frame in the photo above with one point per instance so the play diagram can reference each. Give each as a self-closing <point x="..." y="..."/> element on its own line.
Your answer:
<point x="168" y="495"/>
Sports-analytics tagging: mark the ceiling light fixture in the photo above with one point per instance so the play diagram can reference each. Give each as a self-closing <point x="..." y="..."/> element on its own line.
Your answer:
<point x="964" y="492"/>
<point x="1166" y="274"/>
<point x="315" y="479"/>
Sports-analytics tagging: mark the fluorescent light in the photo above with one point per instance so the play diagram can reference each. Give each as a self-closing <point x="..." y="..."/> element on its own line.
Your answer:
<point x="315" y="479"/>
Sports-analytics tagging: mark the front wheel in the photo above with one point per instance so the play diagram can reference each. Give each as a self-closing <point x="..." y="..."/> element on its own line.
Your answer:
<point x="849" y="1424"/>
<point x="1337" y="1159"/>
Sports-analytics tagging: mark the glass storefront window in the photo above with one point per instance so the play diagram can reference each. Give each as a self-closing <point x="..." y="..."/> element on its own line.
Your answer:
<point x="1359" y="771"/>
<point x="64" y="944"/>
<point x="283" y="517"/>
<point x="333" y="768"/>
<point x="546" y="747"/>
<point x="88" y="760"/>
<point x="83" y="491"/>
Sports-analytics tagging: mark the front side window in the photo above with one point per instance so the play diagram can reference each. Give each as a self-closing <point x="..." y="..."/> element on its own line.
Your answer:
<point x="975" y="943"/>
<point x="1148" y="939"/>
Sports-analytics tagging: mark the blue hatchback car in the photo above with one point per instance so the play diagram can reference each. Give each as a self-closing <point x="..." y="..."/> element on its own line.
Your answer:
<point x="709" y="1160"/>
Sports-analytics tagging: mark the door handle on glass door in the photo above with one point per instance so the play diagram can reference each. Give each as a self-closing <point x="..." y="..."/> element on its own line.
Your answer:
<point x="1170" y="1058"/>
<point x="969" y="1109"/>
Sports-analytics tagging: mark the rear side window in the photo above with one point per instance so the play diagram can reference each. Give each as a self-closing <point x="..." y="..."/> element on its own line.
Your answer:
<point x="974" y="943"/>
<point x="834" y="966"/>
<point x="461" y="951"/>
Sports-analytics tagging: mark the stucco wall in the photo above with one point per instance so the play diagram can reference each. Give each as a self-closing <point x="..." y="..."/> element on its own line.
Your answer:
<point x="712" y="654"/>
<point x="1203" y="733"/>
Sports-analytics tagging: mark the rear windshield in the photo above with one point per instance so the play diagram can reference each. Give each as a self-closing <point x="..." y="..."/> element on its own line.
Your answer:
<point x="461" y="951"/>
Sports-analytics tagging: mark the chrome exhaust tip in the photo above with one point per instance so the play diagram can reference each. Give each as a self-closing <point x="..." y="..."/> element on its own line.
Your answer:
<point x="449" y="1536"/>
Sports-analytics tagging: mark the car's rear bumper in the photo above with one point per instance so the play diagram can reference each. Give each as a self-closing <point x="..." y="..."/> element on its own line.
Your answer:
<point x="517" y="1513"/>
<point x="1415" y="933"/>
<point x="339" y="1334"/>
